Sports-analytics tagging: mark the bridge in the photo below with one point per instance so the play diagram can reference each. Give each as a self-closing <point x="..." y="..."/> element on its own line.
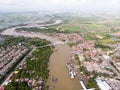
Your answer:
<point x="58" y="42"/>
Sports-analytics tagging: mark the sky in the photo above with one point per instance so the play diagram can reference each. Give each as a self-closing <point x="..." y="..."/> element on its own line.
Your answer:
<point x="59" y="5"/>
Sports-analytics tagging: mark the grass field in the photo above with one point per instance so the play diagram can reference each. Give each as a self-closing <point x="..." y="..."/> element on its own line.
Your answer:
<point x="84" y="27"/>
<point x="106" y="41"/>
<point x="82" y="24"/>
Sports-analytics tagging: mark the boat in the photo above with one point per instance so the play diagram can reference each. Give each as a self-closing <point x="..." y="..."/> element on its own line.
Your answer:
<point x="72" y="73"/>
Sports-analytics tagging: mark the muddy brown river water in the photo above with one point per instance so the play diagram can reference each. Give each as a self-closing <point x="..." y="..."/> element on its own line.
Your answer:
<point x="59" y="70"/>
<point x="57" y="63"/>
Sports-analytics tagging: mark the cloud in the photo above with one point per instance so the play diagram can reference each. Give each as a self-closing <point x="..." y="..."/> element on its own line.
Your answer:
<point x="57" y="4"/>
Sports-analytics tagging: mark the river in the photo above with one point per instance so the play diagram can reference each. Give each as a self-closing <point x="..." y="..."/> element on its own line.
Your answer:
<point x="57" y="63"/>
<point x="58" y="69"/>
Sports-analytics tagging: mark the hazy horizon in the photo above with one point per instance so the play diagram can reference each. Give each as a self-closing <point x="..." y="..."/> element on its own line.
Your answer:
<point x="60" y="5"/>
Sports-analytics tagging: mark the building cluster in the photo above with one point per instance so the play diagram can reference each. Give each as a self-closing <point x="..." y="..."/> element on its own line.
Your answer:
<point x="117" y="34"/>
<point x="98" y="68"/>
<point x="9" y="56"/>
<point x="108" y="84"/>
<point x="114" y="84"/>
<point x="97" y="59"/>
<point x="87" y="47"/>
<point x="116" y="57"/>
<point x="70" y="37"/>
<point x="89" y="51"/>
<point x="36" y="83"/>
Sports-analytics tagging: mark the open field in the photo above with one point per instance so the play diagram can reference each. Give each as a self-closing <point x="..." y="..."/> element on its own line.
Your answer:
<point x="88" y="25"/>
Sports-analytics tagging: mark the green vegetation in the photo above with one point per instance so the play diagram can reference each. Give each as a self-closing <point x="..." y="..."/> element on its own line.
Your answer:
<point x="17" y="86"/>
<point x="114" y="30"/>
<point x="106" y="41"/>
<point x="10" y="41"/>
<point x="36" y="64"/>
<point x="39" y="64"/>
<point x="35" y="29"/>
<point x="83" y="27"/>
<point x="82" y="24"/>
<point x="92" y="84"/>
<point x="84" y="70"/>
<point x="77" y="58"/>
<point x="90" y="36"/>
<point x="104" y="47"/>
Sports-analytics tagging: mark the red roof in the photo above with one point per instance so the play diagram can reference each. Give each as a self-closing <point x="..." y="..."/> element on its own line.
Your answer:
<point x="2" y="88"/>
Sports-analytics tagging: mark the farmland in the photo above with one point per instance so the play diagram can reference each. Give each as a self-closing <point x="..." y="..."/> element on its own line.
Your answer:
<point x="94" y="24"/>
